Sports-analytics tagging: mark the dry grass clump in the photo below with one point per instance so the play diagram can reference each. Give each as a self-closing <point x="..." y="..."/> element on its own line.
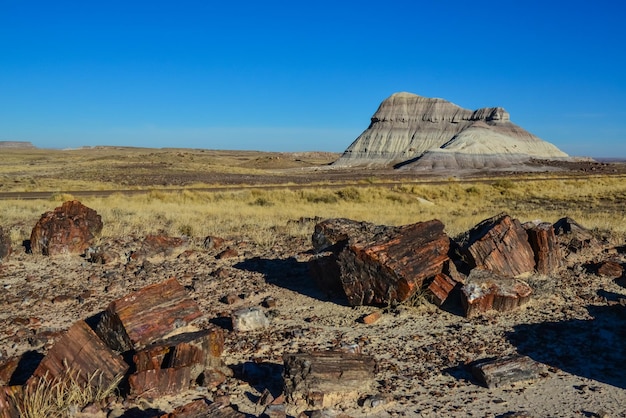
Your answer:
<point x="261" y="215"/>
<point x="63" y="397"/>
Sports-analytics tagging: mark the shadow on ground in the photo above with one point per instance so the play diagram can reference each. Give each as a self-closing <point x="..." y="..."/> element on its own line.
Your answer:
<point x="593" y="348"/>
<point x="291" y="274"/>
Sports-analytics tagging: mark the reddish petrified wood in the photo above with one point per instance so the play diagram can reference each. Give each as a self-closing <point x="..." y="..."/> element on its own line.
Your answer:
<point x="5" y="245"/>
<point x="573" y="237"/>
<point x="440" y="288"/>
<point x="378" y="264"/>
<point x="313" y="376"/>
<point x="485" y="290"/>
<point x="69" y="229"/>
<point x="147" y="315"/>
<point x="611" y="269"/>
<point x="545" y="246"/>
<point x="81" y="354"/>
<point x="159" y="382"/>
<point x="202" y="408"/>
<point x="500" y="244"/>
<point x="158" y="246"/>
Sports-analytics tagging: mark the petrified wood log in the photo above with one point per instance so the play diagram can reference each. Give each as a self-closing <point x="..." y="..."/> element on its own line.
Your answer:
<point x="201" y="408"/>
<point x="159" y="382"/>
<point x="574" y="237"/>
<point x="507" y="370"/>
<point x="440" y="288"/>
<point x="485" y="290"/>
<point x="80" y="354"/>
<point x="68" y="229"/>
<point x="500" y="244"/>
<point x="542" y="240"/>
<point x="317" y="375"/>
<point x="199" y="350"/>
<point x="146" y="316"/>
<point x="379" y="264"/>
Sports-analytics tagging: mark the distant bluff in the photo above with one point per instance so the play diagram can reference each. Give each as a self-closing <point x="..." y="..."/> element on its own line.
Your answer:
<point x="415" y="132"/>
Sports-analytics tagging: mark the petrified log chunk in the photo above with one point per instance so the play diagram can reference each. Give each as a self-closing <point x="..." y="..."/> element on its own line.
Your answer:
<point x="199" y="350"/>
<point x="79" y="353"/>
<point x="5" y="245"/>
<point x="611" y="269"/>
<point x="319" y="375"/>
<point x="485" y="290"/>
<point x="503" y="371"/>
<point x="379" y="264"/>
<point x="146" y="316"/>
<point x="201" y="408"/>
<point x="440" y="288"/>
<point x="500" y="244"/>
<point x="249" y="319"/>
<point x="573" y="237"/>
<point x="543" y="241"/>
<point x="159" y="382"/>
<point x="68" y="229"/>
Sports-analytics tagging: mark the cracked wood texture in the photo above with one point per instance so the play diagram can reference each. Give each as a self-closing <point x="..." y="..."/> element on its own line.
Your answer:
<point x="147" y="315"/>
<point x="505" y="371"/>
<point x="484" y="291"/>
<point x="81" y="354"/>
<point x="546" y="248"/>
<point x="379" y="264"/>
<point x="315" y="376"/>
<point x="500" y="244"/>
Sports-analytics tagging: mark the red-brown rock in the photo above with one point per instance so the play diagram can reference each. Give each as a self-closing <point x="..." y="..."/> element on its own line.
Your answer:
<point x="69" y="229"/>
<point x="8" y="409"/>
<point x="5" y="245"/>
<point x="378" y="264"/>
<point x="201" y="408"/>
<point x="440" y="288"/>
<point x="573" y="237"/>
<point x="81" y="354"/>
<point x="147" y="315"/>
<point x="500" y="244"/>
<point x="611" y="269"/>
<point x="154" y="383"/>
<point x="545" y="245"/>
<point x="484" y="291"/>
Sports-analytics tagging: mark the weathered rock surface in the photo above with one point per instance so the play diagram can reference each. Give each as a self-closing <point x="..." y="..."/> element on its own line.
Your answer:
<point x="506" y="371"/>
<point x="83" y="356"/>
<point x="146" y="316"/>
<point x="317" y="376"/>
<point x="573" y="237"/>
<point x="611" y="269"/>
<point x="379" y="264"/>
<point x="68" y="229"/>
<point x="424" y="133"/>
<point x="546" y="247"/>
<point x="486" y="290"/>
<point x="5" y="245"/>
<point x="500" y="244"/>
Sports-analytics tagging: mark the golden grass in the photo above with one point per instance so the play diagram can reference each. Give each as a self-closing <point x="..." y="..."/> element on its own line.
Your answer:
<point x="261" y="215"/>
<point x="62" y="397"/>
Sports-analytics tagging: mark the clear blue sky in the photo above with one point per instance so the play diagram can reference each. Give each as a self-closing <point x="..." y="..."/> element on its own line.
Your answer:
<point x="303" y="75"/>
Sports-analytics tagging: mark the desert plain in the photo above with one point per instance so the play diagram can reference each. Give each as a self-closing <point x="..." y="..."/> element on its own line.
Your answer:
<point x="264" y="206"/>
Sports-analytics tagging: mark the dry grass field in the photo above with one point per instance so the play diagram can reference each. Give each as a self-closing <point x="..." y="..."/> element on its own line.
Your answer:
<point x="170" y="193"/>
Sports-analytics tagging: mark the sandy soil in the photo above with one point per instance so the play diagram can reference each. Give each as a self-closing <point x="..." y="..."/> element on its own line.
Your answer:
<point x="574" y="326"/>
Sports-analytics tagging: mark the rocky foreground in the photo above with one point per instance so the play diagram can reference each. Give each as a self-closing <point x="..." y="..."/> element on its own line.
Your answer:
<point x="361" y="320"/>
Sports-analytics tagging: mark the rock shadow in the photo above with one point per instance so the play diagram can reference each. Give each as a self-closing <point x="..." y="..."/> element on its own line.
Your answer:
<point x="592" y="348"/>
<point x="261" y="376"/>
<point x="291" y="274"/>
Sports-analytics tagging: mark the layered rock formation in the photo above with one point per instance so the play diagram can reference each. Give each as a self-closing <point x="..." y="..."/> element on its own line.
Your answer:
<point x="418" y="132"/>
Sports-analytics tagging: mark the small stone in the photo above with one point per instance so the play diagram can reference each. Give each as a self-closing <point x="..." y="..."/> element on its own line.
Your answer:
<point x="249" y="319"/>
<point x="371" y="318"/>
<point x="275" y="411"/>
<point x="269" y="302"/>
<point x="230" y="298"/>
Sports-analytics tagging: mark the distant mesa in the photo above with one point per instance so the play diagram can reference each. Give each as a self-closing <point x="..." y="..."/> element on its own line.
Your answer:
<point x="413" y="132"/>
<point x="16" y="144"/>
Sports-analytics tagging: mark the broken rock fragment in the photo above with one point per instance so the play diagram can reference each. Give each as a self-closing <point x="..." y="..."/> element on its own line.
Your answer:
<point x="68" y="229"/>
<point x="545" y="246"/>
<point x="505" y="371"/>
<point x="249" y="319"/>
<point x="485" y="291"/>
<point x="147" y="315"/>
<point x="376" y="264"/>
<point x="500" y="244"/>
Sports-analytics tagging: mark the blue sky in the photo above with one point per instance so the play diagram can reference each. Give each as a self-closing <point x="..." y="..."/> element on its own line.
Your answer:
<point x="293" y="76"/>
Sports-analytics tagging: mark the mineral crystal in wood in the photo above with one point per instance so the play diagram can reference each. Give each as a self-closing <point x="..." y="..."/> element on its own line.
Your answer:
<point x="146" y="316"/>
